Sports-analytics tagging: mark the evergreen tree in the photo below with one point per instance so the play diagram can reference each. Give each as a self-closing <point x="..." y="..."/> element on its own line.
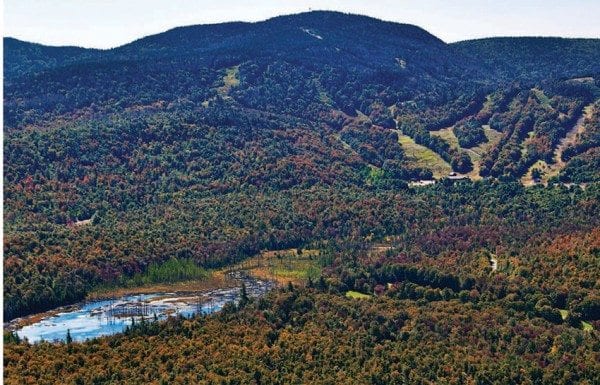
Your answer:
<point x="244" y="299"/>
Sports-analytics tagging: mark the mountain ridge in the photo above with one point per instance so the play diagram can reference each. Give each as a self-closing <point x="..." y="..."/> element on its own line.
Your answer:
<point x="240" y="24"/>
<point x="291" y="16"/>
<point x="326" y="37"/>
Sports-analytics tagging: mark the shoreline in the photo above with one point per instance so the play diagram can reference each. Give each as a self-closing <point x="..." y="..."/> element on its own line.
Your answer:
<point x="218" y="280"/>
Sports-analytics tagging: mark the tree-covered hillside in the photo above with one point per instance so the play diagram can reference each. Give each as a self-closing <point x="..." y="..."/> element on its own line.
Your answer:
<point x="303" y="101"/>
<point x="534" y="58"/>
<point x="213" y="143"/>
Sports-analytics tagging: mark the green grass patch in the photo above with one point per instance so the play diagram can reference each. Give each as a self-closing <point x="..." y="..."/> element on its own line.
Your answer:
<point x="421" y="156"/>
<point x="231" y="76"/>
<point x="448" y="136"/>
<point x="356" y="295"/>
<point x="295" y="267"/>
<point x="476" y="152"/>
<point x="542" y="98"/>
<point x="284" y="266"/>
<point x="586" y="326"/>
<point x="230" y="80"/>
<point x="299" y="272"/>
<point x="548" y="171"/>
<point x="563" y="313"/>
<point x="493" y="137"/>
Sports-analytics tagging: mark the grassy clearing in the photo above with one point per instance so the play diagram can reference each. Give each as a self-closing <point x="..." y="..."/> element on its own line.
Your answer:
<point x="563" y="313"/>
<point x="421" y="156"/>
<point x="283" y="266"/>
<point x="230" y="80"/>
<point x="586" y="326"/>
<point x="548" y="171"/>
<point x="572" y="136"/>
<point x="217" y="280"/>
<point x="356" y="295"/>
<point x="541" y="97"/>
<point x="493" y="139"/>
<point x="475" y="153"/>
<point x="379" y="249"/>
<point x="448" y="135"/>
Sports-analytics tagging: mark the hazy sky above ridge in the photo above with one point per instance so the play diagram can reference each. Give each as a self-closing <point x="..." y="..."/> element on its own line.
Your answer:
<point x="110" y="23"/>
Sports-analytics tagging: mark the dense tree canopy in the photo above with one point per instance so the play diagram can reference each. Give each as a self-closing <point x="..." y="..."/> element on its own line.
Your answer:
<point x="208" y="144"/>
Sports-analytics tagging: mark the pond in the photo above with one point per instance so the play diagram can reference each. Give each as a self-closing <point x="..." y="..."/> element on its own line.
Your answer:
<point x="105" y="317"/>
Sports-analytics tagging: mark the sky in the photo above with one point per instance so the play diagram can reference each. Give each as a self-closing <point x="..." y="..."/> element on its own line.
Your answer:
<point x="110" y="23"/>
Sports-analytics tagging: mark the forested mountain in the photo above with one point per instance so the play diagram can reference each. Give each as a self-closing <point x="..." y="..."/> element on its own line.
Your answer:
<point x="211" y="143"/>
<point x="534" y="58"/>
<point x="307" y="59"/>
<point x="23" y="58"/>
